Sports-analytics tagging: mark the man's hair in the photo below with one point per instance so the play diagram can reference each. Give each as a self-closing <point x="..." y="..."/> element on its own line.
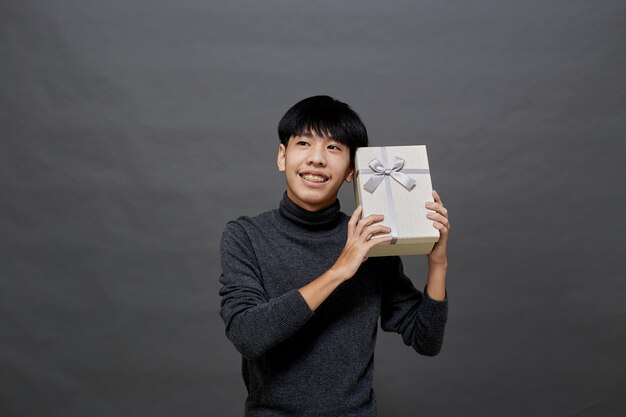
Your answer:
<point x="324" y="116"/>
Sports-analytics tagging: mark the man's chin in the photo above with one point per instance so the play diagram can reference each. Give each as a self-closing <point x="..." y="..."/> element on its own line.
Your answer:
<point x="312" y="200"/>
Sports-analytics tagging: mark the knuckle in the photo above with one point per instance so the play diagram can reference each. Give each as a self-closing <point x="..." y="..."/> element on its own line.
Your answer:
<point x="367" y="220"/>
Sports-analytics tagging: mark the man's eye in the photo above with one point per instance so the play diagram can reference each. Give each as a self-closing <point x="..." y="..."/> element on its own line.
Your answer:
<point x="303" y="143"/>
<point x="334" y="147"/>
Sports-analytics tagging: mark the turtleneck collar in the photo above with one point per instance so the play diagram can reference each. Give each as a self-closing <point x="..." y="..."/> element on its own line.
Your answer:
<point x="315" y="220"/>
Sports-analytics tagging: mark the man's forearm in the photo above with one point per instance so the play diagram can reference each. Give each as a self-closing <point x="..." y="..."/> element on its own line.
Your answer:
<point x="436" y="283"/>
<point x="318" y="290"/>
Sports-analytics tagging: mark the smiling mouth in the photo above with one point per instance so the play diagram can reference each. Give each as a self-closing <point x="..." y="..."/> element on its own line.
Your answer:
<point x="314" y="178"/>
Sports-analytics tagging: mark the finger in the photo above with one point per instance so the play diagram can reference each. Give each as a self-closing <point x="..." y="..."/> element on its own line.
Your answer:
<point x="367" y="221"/>
<point x="356" y="215"/>
<point x="443" y="229"/>
<point x="378" y="240"/>
<point x="438" y="217"/>
<point x="437" y="197"/>
<point x="438" y="208"/>
<point x="374" y="230"/>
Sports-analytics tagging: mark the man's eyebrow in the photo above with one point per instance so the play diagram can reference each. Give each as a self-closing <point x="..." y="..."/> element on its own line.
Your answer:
<point x="312" y="133"/>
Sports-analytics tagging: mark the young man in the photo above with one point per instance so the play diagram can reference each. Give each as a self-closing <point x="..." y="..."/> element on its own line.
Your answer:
<point x="300" y="300"/>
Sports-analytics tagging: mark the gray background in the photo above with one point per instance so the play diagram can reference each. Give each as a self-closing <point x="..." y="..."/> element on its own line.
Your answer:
<point x="132" y="131"/>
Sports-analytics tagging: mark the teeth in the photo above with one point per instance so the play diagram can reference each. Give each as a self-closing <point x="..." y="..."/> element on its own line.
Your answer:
<point x="314" y="178"/>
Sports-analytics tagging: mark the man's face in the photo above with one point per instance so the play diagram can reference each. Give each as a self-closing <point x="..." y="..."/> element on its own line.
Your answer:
<point x="315" y="167"/>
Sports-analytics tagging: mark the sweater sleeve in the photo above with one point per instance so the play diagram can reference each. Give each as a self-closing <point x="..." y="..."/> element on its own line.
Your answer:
<point x="419" y="319"/>
<point x="254" y="323"/>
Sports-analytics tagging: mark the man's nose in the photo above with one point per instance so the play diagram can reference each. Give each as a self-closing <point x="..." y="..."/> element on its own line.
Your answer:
<point x="317" y="156"/>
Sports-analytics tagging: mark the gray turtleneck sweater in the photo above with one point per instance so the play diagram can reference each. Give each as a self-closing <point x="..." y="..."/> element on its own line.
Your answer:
<point x="297" y="362"/>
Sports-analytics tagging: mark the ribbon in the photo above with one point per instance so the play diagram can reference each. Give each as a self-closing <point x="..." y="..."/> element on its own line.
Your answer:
<point x="380" y="171"/>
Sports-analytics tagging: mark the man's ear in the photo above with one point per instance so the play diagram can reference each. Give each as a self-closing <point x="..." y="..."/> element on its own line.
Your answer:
<point x="280" y="159"/>
<point x="350" y="174"/>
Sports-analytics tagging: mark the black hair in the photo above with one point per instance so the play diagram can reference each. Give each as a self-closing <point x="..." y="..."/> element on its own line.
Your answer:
<point x="324" y="116"/>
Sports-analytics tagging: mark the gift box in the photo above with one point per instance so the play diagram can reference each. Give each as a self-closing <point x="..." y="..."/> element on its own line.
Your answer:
<point x="395" y="181"/>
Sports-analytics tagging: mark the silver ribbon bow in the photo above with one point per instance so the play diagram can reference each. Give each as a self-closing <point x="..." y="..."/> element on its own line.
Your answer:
<point x="380" y="171"/>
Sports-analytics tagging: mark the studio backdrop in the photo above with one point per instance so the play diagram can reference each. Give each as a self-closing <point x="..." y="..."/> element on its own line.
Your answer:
<point x="132" y="131"/>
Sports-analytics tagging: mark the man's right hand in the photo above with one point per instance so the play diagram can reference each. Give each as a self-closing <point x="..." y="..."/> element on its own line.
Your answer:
<point x="361" y="237"/>
<point x="363" y="234"/>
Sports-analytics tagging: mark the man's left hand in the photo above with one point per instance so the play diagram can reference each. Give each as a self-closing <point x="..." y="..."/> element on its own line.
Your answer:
<point x="441" y="223"/>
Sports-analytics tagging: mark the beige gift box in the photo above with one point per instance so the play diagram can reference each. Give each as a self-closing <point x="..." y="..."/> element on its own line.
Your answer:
<point x="395" y="181"/>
